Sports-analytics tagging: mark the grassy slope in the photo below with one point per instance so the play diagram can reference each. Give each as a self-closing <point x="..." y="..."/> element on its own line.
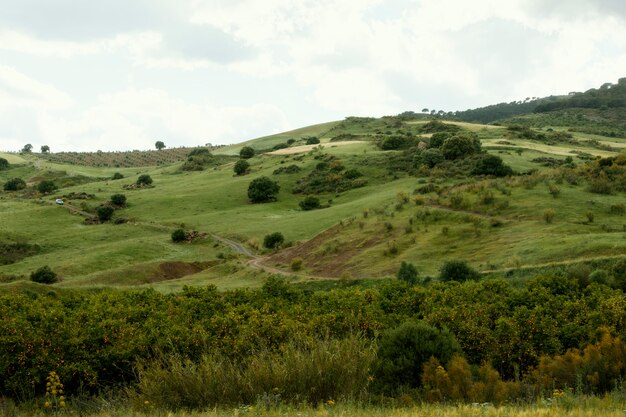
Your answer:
<point x="215" y="200"/>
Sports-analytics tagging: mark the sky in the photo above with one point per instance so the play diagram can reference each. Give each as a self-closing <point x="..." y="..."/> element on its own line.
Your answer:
<point x="82" y="75"/>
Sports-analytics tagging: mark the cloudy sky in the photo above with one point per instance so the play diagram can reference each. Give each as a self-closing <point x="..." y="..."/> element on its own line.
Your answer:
<point x="121" y="74"/>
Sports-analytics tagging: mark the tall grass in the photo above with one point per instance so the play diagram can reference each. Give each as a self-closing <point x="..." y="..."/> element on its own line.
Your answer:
<point x="317" y="372"/>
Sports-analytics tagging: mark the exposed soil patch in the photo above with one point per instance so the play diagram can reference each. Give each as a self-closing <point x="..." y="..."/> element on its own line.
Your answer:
<point x="174" y="270"/>
<point x="306" y="148"/>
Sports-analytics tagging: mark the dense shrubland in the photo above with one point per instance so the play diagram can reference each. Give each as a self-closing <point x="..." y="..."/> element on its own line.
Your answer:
<point x="544" y="335"/>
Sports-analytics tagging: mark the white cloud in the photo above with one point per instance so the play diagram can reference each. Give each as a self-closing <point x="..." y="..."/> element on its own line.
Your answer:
<point x="19" y="90"/>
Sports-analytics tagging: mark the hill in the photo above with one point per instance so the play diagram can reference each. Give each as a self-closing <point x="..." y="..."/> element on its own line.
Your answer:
<point x="381" y="204"/>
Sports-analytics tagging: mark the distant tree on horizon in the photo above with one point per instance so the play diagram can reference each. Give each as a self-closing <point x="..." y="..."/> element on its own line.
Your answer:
<point x="28" y="148"/>
<point x="45" y="149"/>
<point x="159" y="144"/>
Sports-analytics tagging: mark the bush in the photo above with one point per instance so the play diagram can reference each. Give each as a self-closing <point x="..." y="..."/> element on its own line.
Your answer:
<point x="437" y="139"/>
<point x="457" y="271"/>
<point x="273" y="240"/>
<point x="44" y="275"/>
<point x="104" y="213"/>
<point x="407" y="273"/>
<point x="199" y="152"/>
<point x="46" y="186"/>
<point x="262" y="190"/>
<point x="280" y="146"/>
<point x="178" y="235"/>
<point x="554" y="190"/>
<point x="246" y="152"/>
<point x="312" y="140"/>
<point x="4" y="164"/>
<point x="618" y="209"/>
<point x="14" y="184"/>
<point x="144" y="179"/>
<point x="296" y="264"/>
<point x="118" y="200"/>
<point x="430" y="158"/>
<point x="404" y="350"/>
<point x="310" y="203"/>
<point x="491" y="165"/>
<point x="459" y="146"/>
<point x="117" y="176"/>
<point x="548" y="215"/>
<point x="241" y="167"/>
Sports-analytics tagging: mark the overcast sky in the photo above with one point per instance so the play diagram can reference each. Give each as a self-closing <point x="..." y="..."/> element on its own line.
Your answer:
<point x="121" y="74"/>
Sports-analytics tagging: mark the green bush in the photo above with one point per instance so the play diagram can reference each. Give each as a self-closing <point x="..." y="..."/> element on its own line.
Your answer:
<point x="144" y="179"/>
<point x="310" y="203"/>
<point x="273" y="240"/>
<point x="404" y="350"/>
<point x="118" y="200"/>
<point x="407" y="273"/>
<point x="263" y="189"/>
<point x="246" y="152"/>
<point x="44" y="275"/>
<point x="4" y="164"/>
<point x="460" y="146"/>
<point x="312" y="140"/>
<point x="457" y="271"/>
<point x="296" y="264"/>
<point x="488" y="164"/>
<point x="241" y="167"/>
<point x="46" y="186"/>
<point x="178" y="235"/>
<point x="430" y="158"/>
<point x="104" y="213"/>
<point x="117" y="176"/>
<point x="14" y="184"/>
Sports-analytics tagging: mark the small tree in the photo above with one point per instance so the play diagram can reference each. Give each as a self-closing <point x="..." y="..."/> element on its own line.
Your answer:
<point x="407" y="273"/>
<point x="459" y="146"/>
<point x="46" y="186"/>
<point x="241" y="167"/>
<point x="312" y="140"/>
<point x="144" y="179"/>
<point x="4" y="164"/>
<point x="457" y="271"/>
<point x="118" y="200"/>
<point x="310" y="203"/>
<point x="45" y="149"/>
<point x="262" y="190"/>
<point x="273" y="240"/>
<point x="491" y="165"/>
<point x="104" y="213"/>
<point x="159" y="145"/>
<point x="117" y="176"/>
<point x="44" y="275"/>
<point x="430" y="158"/>
<point x="246" y="152"/>
<point x="178" y="235"/>
<point x="28" y="148"/>
<point x="14" y="184"/>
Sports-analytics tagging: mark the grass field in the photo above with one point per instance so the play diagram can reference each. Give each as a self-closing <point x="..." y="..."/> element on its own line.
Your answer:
<point x="506" y="233"/>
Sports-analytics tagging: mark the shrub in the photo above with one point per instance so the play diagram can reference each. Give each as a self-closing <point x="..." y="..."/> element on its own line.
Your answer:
<point x="46" y="186"/>
<point x="104" y="213"/>
<point x="431" y="157"/>
<point x="554" y="190"/>
<point x="312" y="140"/>
<point x="590" y="216"/>
<point x="246" y="152"/>
<point x="403" y="351"/>
<point x="291" y="169"/>
<point x="178" y="235"/>
<point x="600" y="185"/>
<point x="262" y="190"/>
<point x="273" y="240"/>
<point x="457" y="271"/>
<point x="4" y="164"/>
<point x="144" y="179"/>
<point x="459" y="146"/>
<point x="599" y="276"/>
<point x="118" y="200"/>
<point x="548" y="215"/>
<point x="310" y="203"/>
<point x="491" y="165"/>
<point x="14" y="184"/>
<point x="241" y="167"/>
<point x="407" y="273"/>
<point x="199" y="152"/>
<point x="44" y="275"/>
<point x="117" y="176"/>
<point x="296" y="264"/>
<point x="437" y="139"/>
<point x="618" y="209"/>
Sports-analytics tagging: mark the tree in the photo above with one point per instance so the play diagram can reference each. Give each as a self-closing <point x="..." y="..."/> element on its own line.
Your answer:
<point x="407" y="273"/>
<point x="46" y="186"/>
<point x="45" y="149"/>
<point x="246" y="152"/>
<point x="104" y="213"/>
<point x="28" y="148"/>
<point x="310" y="203"/>
<point x="430" y="157"/>
<point x="14" y="184"/>
<point x="273" y="240"/>
<point x="178" y="235"/>
<point x="491" y="165"/>
<point x="312" y="140"/>
<point x="117" y="176"/>
<point x="144" y="179"/>
<point x="459" y="146"/>
<point x="241" y="167"/>
<point x="403" y="351"/>
<point x="4" y="164"/>
<point x="44" y="275"/>
<point x="262" y="190"/>
<point x="159" y="145"/>
<point x="118" y="200"/>
<point x="438" y="138"/>
<point x="457" y="271"/>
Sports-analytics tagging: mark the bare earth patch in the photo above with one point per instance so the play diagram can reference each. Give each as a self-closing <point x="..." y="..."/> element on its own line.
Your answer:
<point x="306" y="148"/>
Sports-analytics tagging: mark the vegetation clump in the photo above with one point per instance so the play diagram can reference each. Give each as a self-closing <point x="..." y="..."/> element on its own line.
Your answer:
<point x="310" y="203"/>
<point x="4" y="164"/>
<point x="144" y="180"/>
<point x="273" y="240"/>
<point x="44" y="275"/>
<point x="14" y="184"/>
<point x="457" y="271"/>
<point x="46" y="186"/>
<point x="246" y="152"/>
<point x="179" y="235"/>
<point x="118" y="200"/>
<point x="105" y="213"/>
<point x="241" y="167"/>
<point x="263" y="190"/>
